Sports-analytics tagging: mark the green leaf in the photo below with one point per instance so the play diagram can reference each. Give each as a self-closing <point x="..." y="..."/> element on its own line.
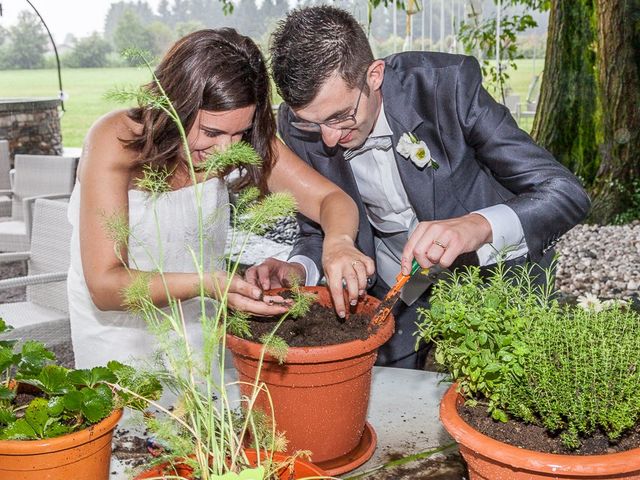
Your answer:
<point x="55" y="428"/>
<point x="56" y="406"/>
<point x="7" y="416"/>
<point x="492" y="367"/>
<point x="95" y="406"/>
<point x="8" y="343"/>
<point x="19" y="430"/>
<point x="73" y="401"/>
<point x="34" y="357"/>
<point x="91" y="378"/>
<point x="4" y="327"/>
<point x="499" y="415"/>
<point x="6" y="393"/>
<point x="52" y="380"/>
<point x="7" y="358"/>
<point x="37" y="415"/>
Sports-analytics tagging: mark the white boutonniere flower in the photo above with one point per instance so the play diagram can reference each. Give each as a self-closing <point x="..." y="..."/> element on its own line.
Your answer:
<point x="416" y="150"/>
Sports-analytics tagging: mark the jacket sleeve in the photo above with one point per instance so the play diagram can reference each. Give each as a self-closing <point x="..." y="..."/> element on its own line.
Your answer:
<point x="549" y="200"/>
<point x="310" y="238"/>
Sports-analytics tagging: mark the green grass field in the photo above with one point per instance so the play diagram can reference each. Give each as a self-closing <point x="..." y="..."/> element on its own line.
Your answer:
<point x="86" y="89"/>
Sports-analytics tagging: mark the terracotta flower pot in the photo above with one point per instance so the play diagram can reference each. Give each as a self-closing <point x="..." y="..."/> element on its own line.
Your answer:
<point x="320" y="394"/>
<point x="301" y="469"/>
<point x="83" y="455"/>
<point x="489" y="459"/>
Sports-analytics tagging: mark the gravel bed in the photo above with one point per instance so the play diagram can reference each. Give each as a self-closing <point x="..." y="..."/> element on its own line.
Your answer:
<point x="284" y="231"/>
<point x="601" y="260"/>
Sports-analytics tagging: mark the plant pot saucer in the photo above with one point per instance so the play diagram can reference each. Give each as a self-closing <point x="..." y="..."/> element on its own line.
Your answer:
<point x="356" y="457"/>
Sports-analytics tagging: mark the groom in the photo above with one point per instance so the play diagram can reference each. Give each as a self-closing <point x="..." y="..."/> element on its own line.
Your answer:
<point x="439" y="170"/>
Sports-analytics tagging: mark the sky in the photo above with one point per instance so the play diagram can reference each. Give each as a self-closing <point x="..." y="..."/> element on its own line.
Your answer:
<point x="78" y="17"/>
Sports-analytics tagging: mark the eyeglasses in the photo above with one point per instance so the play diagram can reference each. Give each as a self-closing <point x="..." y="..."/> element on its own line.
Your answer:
<point x="336" y="123"/>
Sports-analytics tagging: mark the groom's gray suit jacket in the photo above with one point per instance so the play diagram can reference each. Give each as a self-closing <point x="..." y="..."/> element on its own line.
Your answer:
<point x="484" y="158"/>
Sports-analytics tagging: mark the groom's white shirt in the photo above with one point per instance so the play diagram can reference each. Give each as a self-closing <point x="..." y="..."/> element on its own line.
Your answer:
<point x="389" y="211"/>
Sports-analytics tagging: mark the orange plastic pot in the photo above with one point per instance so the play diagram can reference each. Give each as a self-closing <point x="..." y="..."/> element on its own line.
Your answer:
<point x="301" y="469"/>
<point x="320" y="394"/>
<point x="83" y="455"/>
<point x="489" y="459"/>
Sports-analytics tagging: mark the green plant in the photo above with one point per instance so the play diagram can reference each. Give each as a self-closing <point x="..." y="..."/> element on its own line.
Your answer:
<point x="581" y="373"/>
<point x="479" y="37"/>
<point x="64" y="400"/>
<point x="633" y="211"/>
<point x="572" y="369"/>
<point x="205" y="430"/>
<point x="479" y="327"/>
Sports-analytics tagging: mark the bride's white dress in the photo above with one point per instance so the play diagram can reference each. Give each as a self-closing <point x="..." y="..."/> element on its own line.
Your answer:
<point x="100" y="336"/>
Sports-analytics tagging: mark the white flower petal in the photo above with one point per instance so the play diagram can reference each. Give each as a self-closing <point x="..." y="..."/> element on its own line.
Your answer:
<point x="420" y="154"/>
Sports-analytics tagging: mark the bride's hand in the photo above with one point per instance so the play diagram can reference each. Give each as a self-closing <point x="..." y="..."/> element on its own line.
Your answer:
<point x="342" y="260"/>
<point x="244" y="296"/>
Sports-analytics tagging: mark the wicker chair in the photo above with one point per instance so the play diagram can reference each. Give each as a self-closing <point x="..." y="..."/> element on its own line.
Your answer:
<point x="5" y="183"/>
<point x="44" y="316"/>
<point x="36" y="176"/>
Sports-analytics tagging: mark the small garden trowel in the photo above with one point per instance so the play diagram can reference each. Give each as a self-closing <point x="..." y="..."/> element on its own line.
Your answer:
<point x="394" y="293"/>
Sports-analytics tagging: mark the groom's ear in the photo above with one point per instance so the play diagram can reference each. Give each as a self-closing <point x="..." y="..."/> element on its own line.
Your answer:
<point x="376" y="74"/>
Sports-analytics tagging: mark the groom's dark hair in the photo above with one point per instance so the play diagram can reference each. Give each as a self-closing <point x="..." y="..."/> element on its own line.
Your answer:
<point x="312" y="43"/>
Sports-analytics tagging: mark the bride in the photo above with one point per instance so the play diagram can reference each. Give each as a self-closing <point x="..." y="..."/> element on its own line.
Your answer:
<point x="218" y="83"/>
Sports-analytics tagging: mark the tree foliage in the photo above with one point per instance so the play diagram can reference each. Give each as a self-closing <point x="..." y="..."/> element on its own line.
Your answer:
<point x="89" y="52"/>
<point x="131" y="33"/>
<point x="27" y="43"/>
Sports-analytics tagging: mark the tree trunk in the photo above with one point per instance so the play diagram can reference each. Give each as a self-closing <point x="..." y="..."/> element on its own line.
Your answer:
<point x="619" y="84"/>
<point x="565" y="121"/>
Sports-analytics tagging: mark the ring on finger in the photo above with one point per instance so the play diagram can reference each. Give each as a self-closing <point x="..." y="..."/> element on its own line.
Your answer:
<point x="440" y="244"/>
<point x="355" y="262"/>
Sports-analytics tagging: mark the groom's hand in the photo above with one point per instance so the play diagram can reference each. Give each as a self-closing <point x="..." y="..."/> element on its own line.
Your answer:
<point x="441" y="241"/>
<point x="274" y="273"/>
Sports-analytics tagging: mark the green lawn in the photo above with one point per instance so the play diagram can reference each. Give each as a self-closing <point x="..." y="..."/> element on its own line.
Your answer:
<point x="86" y="89"/>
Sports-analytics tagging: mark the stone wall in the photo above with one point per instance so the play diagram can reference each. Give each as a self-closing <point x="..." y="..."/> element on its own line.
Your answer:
<point x="32" y="125"/>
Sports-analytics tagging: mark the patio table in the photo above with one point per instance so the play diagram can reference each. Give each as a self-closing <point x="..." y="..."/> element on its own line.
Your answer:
<point x="403" y="411"/>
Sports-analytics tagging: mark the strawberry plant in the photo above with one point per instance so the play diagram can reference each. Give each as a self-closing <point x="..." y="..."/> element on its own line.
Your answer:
<point x="61" y="400"/>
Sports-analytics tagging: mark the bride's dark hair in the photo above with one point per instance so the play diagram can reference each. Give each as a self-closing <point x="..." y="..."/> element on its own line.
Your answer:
<point x="215" y="70"/>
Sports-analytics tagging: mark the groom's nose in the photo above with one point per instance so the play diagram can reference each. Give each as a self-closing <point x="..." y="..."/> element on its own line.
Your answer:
<point x="330" y="136"/>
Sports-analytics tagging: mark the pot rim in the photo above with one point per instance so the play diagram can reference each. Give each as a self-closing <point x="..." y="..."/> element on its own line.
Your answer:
<point x="522" y="458"/>
<point x="252" y="453"/>
<point x="64" y="442"/>
<point x="321" y="353"/>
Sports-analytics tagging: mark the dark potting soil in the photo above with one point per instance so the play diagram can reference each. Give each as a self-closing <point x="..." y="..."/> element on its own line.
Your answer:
<point x="320" y="326"/>
<point x="534" y="437"/>
<point x="130" y="449"/>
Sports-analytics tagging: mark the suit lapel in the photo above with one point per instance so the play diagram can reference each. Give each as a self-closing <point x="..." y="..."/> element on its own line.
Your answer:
<point x="419" y="183"/>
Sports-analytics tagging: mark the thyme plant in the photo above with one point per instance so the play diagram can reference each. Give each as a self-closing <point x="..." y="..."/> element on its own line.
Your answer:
<point x="581" y="373"/>
<point x="205" y="430"/>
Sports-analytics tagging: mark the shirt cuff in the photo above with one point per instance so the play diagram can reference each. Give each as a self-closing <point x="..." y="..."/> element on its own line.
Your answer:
<point x="313" y="275"/>
<point x="508" y="236"/>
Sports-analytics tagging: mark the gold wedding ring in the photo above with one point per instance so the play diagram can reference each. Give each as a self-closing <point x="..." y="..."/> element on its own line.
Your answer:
<point x="440" y="244"/>
<point x="355" y="262"/>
